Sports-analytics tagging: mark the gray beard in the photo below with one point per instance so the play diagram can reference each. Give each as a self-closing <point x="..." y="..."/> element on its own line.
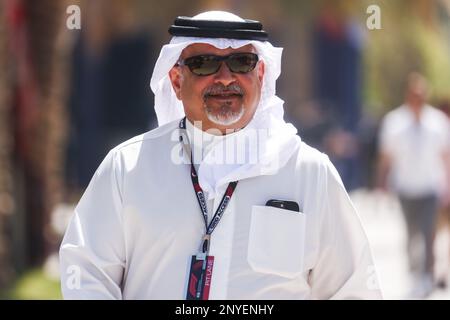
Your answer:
<point x="224" y="116"/>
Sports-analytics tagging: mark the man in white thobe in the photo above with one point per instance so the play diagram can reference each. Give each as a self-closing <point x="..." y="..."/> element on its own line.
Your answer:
<point x="269" y="217"/>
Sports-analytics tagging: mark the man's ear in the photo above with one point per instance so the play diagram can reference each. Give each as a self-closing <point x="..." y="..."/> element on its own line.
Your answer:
<point x="261" y="70"/>
<point x="175" y="79"/>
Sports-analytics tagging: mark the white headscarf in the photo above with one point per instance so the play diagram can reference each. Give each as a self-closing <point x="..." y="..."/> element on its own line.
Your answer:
<point x="281" y="140"/>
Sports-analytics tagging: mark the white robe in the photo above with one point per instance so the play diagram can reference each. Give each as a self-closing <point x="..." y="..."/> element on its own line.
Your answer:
<point x="138" y="224"/>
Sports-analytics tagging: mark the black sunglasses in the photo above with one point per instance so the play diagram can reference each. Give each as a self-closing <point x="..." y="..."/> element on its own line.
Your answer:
<point x="207" y="64"/>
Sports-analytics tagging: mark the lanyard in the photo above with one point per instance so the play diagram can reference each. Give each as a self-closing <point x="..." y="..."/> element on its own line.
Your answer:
<point x="200" y="194"/>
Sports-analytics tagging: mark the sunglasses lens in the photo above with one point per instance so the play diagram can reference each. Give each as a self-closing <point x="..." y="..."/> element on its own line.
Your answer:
<point x="206" y="65"/>
<point x="242" y="62"/>
<point x="203" y="65"/>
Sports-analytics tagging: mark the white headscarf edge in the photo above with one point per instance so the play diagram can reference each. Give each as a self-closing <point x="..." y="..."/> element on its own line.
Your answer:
<point x="168" y="108"/>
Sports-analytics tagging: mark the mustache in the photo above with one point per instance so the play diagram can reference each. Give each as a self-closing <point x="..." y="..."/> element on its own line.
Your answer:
<point x="220" y="89"/>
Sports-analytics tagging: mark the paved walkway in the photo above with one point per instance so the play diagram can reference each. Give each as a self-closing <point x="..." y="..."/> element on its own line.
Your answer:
<point x="385" y="228"/>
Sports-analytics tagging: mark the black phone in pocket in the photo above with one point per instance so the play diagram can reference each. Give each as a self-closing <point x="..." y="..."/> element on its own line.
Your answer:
<point x="283" y="204"/>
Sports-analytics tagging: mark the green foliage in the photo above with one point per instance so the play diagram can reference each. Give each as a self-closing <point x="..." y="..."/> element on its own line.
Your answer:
<point x="407" y="42"/>
<point x="34" y="285"/>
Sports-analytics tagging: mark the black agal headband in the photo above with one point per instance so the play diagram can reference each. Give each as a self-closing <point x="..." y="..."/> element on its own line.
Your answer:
<point x="245" y="30"/>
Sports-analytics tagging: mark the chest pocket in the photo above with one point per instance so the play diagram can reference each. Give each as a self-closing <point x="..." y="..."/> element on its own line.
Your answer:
<point x="276" y="241"/>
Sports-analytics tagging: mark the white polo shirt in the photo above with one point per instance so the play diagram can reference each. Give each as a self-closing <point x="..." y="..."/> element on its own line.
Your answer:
<point x="138" y="224"/>
<point x="416" y="150"/>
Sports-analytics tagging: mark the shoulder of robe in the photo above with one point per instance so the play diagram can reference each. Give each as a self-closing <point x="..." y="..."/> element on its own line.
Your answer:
<point x="312" y="166"/>
<point x="163" y="132"/>
<point x="143" y="148"/>
<point x="311" y="157"/>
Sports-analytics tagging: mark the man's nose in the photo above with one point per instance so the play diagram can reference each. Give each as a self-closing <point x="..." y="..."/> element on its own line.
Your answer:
<point x="224" y="75"/>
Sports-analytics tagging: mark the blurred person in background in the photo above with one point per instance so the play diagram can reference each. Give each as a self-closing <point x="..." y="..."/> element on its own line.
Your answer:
<point x="338" y="46"/>
<point x="413" y="161"/>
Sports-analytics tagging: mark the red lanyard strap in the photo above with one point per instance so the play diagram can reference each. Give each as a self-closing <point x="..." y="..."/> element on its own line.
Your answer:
<point x="201" y="197"/>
